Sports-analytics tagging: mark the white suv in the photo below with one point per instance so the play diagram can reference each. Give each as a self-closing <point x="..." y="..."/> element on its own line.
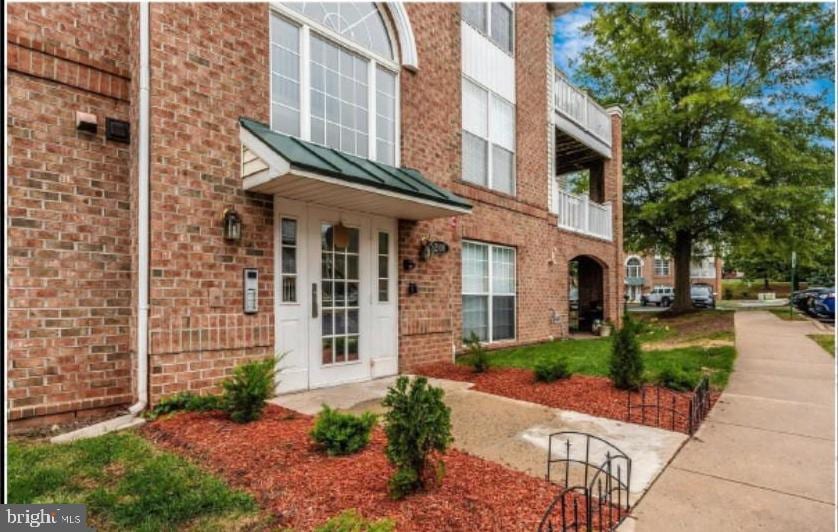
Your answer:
<point x="660" y="296"/>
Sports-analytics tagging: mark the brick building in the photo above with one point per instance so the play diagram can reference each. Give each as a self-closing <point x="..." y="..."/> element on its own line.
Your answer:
<point x="356" y="186"/>
<point x="645" y="271"/>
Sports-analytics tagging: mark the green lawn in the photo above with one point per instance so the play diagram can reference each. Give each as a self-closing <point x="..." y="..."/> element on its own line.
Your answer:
<point x="785" y="314"/>
<point x="667" y="342"/>
<point x="827" y="341"/>
<point x="127" y="484"/>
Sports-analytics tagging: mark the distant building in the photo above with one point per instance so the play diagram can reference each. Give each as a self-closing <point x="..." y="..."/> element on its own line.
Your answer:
<point x="648" y="270"/>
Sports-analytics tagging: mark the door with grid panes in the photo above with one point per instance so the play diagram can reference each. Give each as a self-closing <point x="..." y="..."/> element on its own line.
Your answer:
<point x="340" y="297"/>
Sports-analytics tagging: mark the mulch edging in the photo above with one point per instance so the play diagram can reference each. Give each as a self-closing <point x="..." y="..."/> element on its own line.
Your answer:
<point x="275" y="460"/>
<point x="581" y="393"/>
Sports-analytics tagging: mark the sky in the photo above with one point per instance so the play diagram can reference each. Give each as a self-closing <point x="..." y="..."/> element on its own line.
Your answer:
<point x="568" y="44"/>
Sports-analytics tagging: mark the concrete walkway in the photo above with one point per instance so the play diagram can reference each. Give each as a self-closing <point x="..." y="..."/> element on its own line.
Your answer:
<point x="765" y="457"/>
<point x="511" y="432"/>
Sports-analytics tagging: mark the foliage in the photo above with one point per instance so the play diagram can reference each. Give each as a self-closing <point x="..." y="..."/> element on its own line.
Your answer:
<point x="418" y="422"/>
<point x="477" y="354"/>
<point x="352" y="521"/>
<point x="126" y="483"/>
<point x="551" y="369"/>
<point x="185" y="401"/>
<point x="724" y="138"/>
<point x="626" y="364"/>
<point x="677" y="379"/>
<point x="247" y="390"/>
<point x="341" y="433"/>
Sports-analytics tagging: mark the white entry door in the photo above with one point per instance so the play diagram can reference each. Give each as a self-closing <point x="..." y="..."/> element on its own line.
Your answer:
<point x="339" y="324"/>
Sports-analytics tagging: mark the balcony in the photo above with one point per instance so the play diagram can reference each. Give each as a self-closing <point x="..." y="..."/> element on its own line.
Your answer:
<point x="581" y="215"/>
<point x="584" y="127"/>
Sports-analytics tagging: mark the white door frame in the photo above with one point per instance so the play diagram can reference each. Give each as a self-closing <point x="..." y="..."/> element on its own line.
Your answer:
<point x="298" y="332"/>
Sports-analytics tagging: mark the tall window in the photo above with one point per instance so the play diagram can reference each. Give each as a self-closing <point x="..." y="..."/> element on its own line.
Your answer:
<point x="494" y="20"/>
<point x="633" y="267"/>
<point x="661" y="266"/>
<point x="334" y="78"/>
<point x="488" y="138"/>
<point x="488" y="291"/>
<point x="289" y="260"/>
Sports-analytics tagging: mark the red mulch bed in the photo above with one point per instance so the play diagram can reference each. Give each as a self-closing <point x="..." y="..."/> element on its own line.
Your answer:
<point x="275" y="460"/>
<point x="591" y="395"/>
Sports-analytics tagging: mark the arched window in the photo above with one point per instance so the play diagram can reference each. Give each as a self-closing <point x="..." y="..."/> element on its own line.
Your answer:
<point x="633" y="267"/>
<point x="334" y="77"/>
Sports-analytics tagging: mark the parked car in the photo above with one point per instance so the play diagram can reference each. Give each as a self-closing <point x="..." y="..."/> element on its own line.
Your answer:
<point x="660" y="296"/>
<point x="822" y="305"/>
<point x="804" y="299"/>
<point x="702" y="296"/>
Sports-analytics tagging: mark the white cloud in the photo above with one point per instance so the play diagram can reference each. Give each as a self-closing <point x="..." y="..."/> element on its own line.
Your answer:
<point x="568" y="41"/>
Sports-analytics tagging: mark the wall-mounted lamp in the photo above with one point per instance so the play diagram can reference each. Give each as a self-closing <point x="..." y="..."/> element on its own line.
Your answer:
<point x="232" y="224"/>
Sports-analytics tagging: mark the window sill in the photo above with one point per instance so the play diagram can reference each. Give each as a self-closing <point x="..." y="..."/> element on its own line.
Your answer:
<point x="484" y="188"/>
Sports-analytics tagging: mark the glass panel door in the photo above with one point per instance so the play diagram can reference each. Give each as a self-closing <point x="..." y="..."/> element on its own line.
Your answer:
<point x="340" y="293"/>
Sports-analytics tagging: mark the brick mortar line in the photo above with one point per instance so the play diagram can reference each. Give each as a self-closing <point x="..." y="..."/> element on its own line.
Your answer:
<point x="755" y="486"/>
<point x="214" y="349"/>
<point x="72" y="86"/>
<point x="90" y="65"/>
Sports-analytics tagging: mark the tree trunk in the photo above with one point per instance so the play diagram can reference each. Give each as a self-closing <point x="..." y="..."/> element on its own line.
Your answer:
<point x="765" y="283"/>
<point x="683" y="258"/>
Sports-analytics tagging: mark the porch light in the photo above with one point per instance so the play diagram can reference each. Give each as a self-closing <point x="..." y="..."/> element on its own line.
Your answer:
<point x="232" y="225"/>
<point x="340" y="236"/>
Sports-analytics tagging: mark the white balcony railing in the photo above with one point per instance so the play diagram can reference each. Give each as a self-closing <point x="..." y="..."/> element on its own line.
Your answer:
<point x="577" y="106"/>
<point x="580" y="214"/>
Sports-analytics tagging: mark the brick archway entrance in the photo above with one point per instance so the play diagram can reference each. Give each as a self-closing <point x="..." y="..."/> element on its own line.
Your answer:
<point x="586" y="296"/>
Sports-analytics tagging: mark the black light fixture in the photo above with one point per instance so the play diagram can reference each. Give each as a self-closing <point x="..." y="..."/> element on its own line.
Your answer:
<point x="232" y="224"/>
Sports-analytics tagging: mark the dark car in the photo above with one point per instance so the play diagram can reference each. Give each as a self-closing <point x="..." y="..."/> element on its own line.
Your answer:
<point x="802" y="299"/>
<point x="822" y="305"/>
<point x="702" y="296"/>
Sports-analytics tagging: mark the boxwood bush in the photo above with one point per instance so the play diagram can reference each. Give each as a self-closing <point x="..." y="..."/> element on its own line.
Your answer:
<point x="247" y="390"/>
<point x="551" y="369"/>
<point x="340" y="433"/>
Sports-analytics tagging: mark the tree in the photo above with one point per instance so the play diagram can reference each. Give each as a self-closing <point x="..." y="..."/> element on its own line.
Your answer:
<point x="703" y="86"/>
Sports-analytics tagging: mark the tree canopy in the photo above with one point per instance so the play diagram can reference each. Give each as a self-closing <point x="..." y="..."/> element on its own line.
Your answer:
<point x="723" y="136"/>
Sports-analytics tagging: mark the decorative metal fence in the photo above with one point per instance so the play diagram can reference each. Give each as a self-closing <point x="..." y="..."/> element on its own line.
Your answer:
<point x="597" y="484"/>
<point x="678" y="412"/>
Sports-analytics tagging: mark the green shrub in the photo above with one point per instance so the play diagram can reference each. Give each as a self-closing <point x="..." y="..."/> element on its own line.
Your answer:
<point x="551" y="369"/>
<point x="352" y="521"/>
<point x="626" y="363"/>
<point x="184" y="401"/>
<point x="478" y="356"/>
<point x="676" y="379"/>
<point x="247" y="390"/>
<point x="341" y="433"/>
<point x="417" y="423"/>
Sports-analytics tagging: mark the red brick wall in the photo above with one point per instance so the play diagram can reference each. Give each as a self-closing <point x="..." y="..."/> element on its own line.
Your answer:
<point x="209" y="66"/>
<point x="69" y="237"/>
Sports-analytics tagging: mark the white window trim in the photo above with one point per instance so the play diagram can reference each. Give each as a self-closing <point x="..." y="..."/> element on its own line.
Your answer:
<point x="487" y="31"/>
<point x="306" y="25"/>
<point x="489" y="144"/>
<point x="668" y="268"/>
<point x="489" y="294"/>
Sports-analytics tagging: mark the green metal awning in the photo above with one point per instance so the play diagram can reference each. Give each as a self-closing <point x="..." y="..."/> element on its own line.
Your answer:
<point x="280" y="164"/>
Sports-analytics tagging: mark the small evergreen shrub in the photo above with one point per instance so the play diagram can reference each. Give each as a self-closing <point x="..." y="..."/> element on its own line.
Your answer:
<point x="626" y="363"/>
<point x="677" y="379"/>
<point x="340" y="433"/>
<point x="551" y="369"/>
<point x="185" y="401"/>
<point x="352" y="521"/>
<point x="477" y="354"/>
<point x="247" y="390"/>
<point x="418" y="422"/>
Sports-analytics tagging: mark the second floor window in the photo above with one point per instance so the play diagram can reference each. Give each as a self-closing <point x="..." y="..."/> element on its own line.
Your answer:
<point x="633" y="267"/>
<point x="334" y="78"/>
<point x="488" y="138"/>
<point x="661" y="266"/>
<point x="493" y="20"/>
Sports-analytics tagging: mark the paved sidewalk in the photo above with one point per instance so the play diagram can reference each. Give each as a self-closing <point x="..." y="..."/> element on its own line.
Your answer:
<point x="765" y="457"/>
